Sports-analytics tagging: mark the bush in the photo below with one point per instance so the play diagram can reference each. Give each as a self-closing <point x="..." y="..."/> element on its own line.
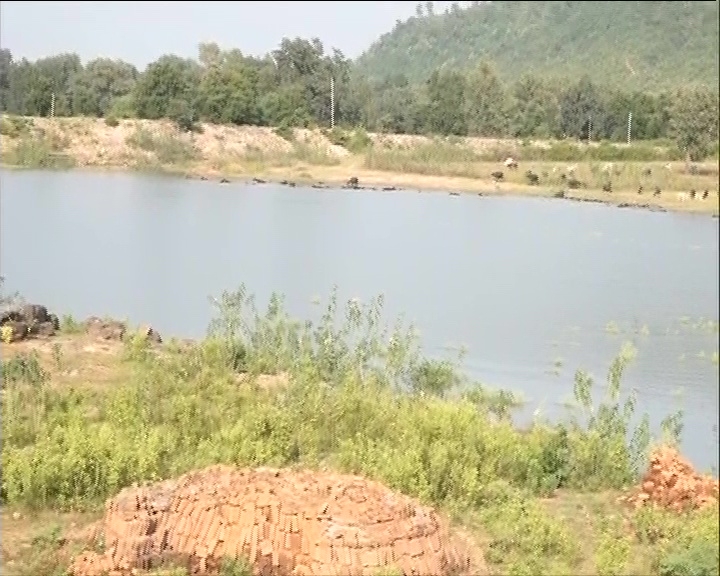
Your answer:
<point x="36" y="151"/>
<point x="111" y="121"/>
<point x="286" y="132"/>
<point x="14" y="126"/>
<point x="700" y="558"/>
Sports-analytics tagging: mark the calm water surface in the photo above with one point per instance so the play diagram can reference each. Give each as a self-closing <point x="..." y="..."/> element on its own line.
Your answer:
<point x="528" y="286"/>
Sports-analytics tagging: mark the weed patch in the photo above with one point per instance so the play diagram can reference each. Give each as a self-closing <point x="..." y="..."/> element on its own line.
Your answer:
<point x="357" y="395"/>
<point x="38" y="151"/>
<point x="167" y="148"/>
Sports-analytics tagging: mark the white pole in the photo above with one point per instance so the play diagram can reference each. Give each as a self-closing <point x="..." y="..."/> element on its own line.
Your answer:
<point x="332" y="102"/>
<point x="629" y="131"/>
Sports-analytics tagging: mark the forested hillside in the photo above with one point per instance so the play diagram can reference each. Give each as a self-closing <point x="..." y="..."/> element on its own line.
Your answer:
<point x="635" y="45"/>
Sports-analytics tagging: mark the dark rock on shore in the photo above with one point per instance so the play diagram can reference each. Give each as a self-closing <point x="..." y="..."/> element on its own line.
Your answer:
<point x="22" y="322"/>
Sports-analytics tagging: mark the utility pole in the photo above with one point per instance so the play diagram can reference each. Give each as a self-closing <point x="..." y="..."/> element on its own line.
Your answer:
<point x="52" y="105"/>
<point x="332" y="102"/>
<point x="629" y="130"/>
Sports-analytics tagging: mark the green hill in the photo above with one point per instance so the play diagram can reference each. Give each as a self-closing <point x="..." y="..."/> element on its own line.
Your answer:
<point x="638" y="45"/>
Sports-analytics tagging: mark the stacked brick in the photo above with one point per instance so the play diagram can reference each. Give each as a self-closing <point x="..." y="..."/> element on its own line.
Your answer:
<point x="283" y="522"/>
<point x="671" y="482"/>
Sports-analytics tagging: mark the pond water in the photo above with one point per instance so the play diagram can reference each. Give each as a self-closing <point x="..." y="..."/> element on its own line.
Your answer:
<point x="532" y="288"/>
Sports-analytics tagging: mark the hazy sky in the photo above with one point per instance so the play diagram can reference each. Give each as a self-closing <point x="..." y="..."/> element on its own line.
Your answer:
<point x="139" y="32"/>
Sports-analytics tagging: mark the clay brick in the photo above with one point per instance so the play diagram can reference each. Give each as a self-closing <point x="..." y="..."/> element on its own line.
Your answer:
<point x="271" y="517"/>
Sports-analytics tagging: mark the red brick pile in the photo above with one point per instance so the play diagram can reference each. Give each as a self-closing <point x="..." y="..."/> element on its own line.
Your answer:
<point x="671" y="482"/>
<point x="283" y="522"/>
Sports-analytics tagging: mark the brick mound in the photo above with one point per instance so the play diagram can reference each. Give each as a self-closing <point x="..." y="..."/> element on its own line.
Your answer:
<point x="284" y="522"/>
<point x="671" y="482"/>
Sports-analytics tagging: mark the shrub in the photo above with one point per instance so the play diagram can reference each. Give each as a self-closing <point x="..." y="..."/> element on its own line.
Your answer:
<point x="167" y="148"/>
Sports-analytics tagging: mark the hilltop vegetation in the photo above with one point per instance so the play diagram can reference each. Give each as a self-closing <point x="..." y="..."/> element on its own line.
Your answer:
<point x="647" y="46"/>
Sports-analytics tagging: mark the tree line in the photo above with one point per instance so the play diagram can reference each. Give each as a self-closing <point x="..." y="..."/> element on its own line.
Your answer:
<point x="291" y="87"/>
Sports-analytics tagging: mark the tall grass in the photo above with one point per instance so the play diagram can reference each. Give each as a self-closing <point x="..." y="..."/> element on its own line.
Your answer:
<point x="168" y="148"/>
<point x="361" y="398"/>
<point x="300" y="152"/>
<point x="452" y="157"/>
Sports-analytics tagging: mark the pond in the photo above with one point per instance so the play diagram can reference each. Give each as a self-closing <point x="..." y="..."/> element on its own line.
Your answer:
<point x="532" y="288"/>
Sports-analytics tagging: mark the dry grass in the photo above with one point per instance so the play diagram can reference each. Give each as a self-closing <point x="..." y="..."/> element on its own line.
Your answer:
<point x="41" y="543"/>
<point x="401" y="161"/>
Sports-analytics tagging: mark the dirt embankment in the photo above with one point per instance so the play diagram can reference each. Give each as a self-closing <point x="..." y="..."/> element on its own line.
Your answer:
<point x="313" y="157"/>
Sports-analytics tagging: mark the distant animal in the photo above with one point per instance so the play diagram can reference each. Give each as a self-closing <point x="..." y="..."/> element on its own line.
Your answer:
<point x="532" y="178"/>
<point x="657" y="191"/>
<point x="693" y="193"/>
<point x="705" y="194"/>
<point x="224" y="181"/>
<point x="571" y="169"/>
<point x="647" y="172"/>
<point x="510" y="163"/>
<point x="353" y="182"/>
<point x="640" y="190"/>
<point x="497" y="176"/>
<point x="573" y="183"/>
<point x="607" y="187"/>
<point x="668" y="166"/>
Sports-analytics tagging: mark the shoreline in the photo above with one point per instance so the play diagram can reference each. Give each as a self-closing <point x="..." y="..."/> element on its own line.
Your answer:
<point x="315" y="158"/>
<point x="381" y="181"/>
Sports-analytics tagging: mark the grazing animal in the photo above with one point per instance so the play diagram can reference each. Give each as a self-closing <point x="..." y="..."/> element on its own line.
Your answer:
<point x="497" y="175"/>
<point x="657" y="191"/>
<point x="640" y="190"/>
<point x="705" y="194"/>
<point x="693" y="193"/>
<point x="668" y="166"/>
<point x="353" y="182"/>
<point x="607" y="187"/>
<point x="511" y="163"/>
<point x="647" y="172"/>
<point x="532" y="178"/>
<point x="574" y="184"/>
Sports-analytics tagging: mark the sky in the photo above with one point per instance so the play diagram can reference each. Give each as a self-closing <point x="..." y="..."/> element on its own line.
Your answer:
<point x="140" y="32"/>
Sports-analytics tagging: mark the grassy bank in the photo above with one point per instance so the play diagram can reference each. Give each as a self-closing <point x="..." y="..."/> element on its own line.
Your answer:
<point x="612" y="173"/>
<point x="83" y="419"/>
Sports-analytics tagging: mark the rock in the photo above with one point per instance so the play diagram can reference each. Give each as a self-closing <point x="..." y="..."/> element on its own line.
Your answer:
<point x="45" y="329"/>
<point x="11" y="313"/>
<point x="105" y="329"/>
<point x="34" y="313"/>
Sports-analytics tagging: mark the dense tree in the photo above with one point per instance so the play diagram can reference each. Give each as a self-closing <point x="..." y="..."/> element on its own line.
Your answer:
<point x="292" y="87"/>
<point x="694" y="121"/>
<point x="648" y="46"/>
<point x="95" y="89"/>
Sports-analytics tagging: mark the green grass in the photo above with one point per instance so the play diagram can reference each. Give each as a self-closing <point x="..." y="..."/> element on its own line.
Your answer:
<point x="362" y="399"/>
